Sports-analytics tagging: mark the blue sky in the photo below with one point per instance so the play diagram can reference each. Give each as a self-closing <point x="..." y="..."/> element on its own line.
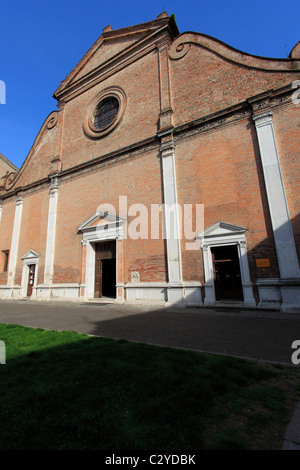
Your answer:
<point x="41" y="42"/>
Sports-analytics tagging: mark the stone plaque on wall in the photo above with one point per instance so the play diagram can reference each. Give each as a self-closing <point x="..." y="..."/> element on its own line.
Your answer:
<point x="135" y="276"/>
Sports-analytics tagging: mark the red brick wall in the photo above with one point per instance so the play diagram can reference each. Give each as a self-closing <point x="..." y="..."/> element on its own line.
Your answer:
<point x="5" y="167"/>
<point x="6" y="228"/>
<point x="203" y="83"/>
<point x="287" y="131"/>
<point x="139" y="179"/>
<point x="221" y="169"/>
<point x="37" y="164"/>
<point x="33" y="233"/>
<point x="140" y="83"/>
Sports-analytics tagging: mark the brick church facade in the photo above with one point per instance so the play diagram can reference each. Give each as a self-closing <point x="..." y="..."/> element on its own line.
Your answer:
<point x="6" y="166"/>
<point x="169" y="173"/>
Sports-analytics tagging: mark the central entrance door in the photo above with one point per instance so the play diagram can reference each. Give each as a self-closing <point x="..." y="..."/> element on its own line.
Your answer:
<point x="227" y="274"/>
<point x="105" y="269"/>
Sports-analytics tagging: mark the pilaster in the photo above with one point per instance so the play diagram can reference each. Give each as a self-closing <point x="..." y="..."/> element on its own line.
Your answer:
<point x="15" y="242"/>
<point x="51" y="230"/>
<point x="166" y="112"/>
<point x="171" y="221"/>
<point x="278" y="206"/>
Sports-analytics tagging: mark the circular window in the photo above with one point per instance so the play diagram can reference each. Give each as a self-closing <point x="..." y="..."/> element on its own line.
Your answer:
<point x="104" y="112"/>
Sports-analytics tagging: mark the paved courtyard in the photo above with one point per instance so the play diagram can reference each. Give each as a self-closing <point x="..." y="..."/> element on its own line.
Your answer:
<point x="251" y="334"/>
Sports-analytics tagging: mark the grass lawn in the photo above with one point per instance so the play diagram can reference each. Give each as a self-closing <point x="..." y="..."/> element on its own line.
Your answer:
<point x="63" y="390"/>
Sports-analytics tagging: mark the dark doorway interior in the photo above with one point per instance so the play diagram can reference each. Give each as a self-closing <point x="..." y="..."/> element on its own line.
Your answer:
<point x="105" y="269"/>
<point x="109" y="277"/>
<point x="227" y="274"/>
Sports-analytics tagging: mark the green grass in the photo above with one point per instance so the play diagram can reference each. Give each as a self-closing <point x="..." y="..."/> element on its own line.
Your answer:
<point x="62" y="390"/>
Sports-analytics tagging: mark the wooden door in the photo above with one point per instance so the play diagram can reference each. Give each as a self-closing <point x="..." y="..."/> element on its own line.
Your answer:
<point x="98" y="275"/>
<point x="30" y="279"/>
<point x="104" y="251"/>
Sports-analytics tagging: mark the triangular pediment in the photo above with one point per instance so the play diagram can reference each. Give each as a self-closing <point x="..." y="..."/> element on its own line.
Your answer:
<point x="30" y="255"/>
<point x="98" y="219"/>
<point x="112" y="49"/>
<point x="103" y="52"/>
<point x="221" y="229"/>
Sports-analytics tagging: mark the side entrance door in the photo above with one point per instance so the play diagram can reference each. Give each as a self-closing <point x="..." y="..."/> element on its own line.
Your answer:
<point x="227" y="274"/>
<point x="30" y="279"/>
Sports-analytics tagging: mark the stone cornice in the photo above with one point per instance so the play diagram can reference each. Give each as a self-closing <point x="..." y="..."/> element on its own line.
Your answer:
<point x="10" y="180"/>
<point x="71" y="87"/>
<point x="101" y="73"/>
<point x="91" y="165"/>
<point x="247" y="109"/>
<point x="182" y="44"/>
<point x="8" y="163"/>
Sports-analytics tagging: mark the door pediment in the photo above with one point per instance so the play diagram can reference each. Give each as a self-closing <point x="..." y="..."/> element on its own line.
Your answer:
<point x="100" y="218"/>
<point x="30" y="255"/>
<point x="222" y="229"/>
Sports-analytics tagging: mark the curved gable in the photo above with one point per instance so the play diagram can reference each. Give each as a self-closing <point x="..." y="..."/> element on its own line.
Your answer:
<point x="40" y="161"/>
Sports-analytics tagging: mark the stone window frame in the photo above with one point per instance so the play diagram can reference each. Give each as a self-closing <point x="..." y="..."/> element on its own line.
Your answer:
<point x="88" y="123"/>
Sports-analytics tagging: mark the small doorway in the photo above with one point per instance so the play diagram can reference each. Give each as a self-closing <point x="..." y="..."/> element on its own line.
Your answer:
<point x="105" y="269"/>
<point x="30" y="279"/>
<point x="227" y="273"/>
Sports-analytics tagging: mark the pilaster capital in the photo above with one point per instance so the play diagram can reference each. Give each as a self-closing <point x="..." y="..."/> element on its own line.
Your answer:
<point x="53" y="184"/>
<point x="263" y="118"/>
<point x="167" y="148"/>
<point x="19" y="201"/>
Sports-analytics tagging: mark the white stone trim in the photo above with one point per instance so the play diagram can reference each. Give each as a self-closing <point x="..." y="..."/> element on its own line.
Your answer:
<point x="112" y="230"/>
<point x="31" y="257"/>
<point x="159" y="292"/>
<point x="290" y="292"/>
<point x="172" y="232"/>
<point x="269" y="293"/>
<point x="280" y="218"/>
<point x="10" y="292"/>
<point x="51" y="230"/>
<point x="15" y="242"/>
<point x="222" y="234"/>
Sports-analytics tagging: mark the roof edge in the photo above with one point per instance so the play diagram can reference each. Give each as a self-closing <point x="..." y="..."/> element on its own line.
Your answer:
<point x="163" y="20"/>
<point x="6" y="160"/>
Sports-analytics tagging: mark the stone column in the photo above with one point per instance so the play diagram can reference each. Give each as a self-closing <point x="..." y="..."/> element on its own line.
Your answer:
<point x="15" y="242"/>
<point x="282" y="229"/>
